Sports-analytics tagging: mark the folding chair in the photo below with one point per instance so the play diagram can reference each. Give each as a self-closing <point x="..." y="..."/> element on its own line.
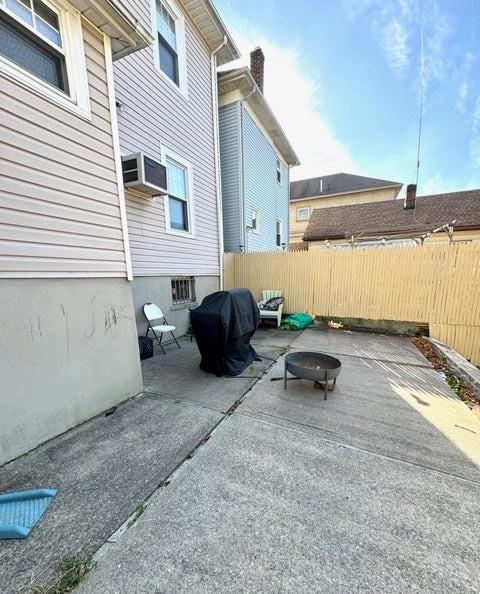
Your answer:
<point x="154" y="317"/>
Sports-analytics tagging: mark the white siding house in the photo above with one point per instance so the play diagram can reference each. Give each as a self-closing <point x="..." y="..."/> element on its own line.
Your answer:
<point x="68" y="345"/>
<point x="168" y="110"/>
<point x="255" y="157"/>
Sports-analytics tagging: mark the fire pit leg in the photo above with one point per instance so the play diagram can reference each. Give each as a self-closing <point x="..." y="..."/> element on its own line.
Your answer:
<point x="326" y="387"/>
<point x="285" y="377"/>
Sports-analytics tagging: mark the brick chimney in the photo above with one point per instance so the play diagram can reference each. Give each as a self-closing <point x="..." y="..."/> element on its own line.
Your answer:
<point x="257" y="60"/>
<point x="410" y="196"/>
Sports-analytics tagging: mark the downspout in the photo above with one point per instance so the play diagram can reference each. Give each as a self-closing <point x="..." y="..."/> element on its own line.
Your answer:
<point x="216" y="146"/>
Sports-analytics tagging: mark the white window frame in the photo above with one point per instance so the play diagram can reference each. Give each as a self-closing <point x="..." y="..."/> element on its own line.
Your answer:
<point x="77" y="99"/>
<point x="278" y="171"/>
<point x="307" y="208"/>
<point x="169" y="155"/>
<point x="255" y="230"/>
<point x="179" y="19"/>
<point x="281" y="233"/>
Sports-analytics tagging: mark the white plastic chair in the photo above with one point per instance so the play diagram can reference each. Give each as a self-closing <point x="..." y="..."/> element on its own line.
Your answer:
<point x="265" y="313"/>
<point x="154" y="316"/>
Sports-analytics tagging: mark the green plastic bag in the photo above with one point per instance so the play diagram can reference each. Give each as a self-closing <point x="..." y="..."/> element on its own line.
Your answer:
<point x="297" y="321"/>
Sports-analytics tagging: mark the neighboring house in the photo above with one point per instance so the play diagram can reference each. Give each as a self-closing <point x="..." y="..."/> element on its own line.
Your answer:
<point x="167" y="99"/>
<point x="338" y="189"/>
<point x="255" y="159"/>
<point x="416" y="220"/>
<point x="68" y="345"/>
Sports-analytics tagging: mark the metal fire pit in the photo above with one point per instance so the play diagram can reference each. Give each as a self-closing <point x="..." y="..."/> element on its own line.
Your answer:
<point x="312" y="366"/>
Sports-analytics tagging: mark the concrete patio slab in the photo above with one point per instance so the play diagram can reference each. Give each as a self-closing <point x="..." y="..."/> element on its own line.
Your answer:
<point x="262" y="508"/>
<point x="396" y="349"/>
<point x="402" y="411"/>
<point x="177" y="375"/>
<point x="103" y="470"/>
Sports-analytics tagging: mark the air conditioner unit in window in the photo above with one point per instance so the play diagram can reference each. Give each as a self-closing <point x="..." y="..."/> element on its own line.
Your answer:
<point x="144" y="174"/>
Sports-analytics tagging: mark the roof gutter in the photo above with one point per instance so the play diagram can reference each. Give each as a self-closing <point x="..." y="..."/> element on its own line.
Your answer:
<point x="117" y="22"/>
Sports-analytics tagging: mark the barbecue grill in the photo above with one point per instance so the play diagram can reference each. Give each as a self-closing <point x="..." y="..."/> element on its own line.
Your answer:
<point x="316" y="367"/>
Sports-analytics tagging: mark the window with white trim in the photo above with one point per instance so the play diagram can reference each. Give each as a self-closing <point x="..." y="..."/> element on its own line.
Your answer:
<point x="279" y="171"/>
<point x="183" y="290"/>
<point x="255" y="224"/>
<point x="41" y="45"/>
<point x="303" y="213"/>
<point x="169" y="37"/>
<point x="278" y="233"/>
<point x="178" y="202"/>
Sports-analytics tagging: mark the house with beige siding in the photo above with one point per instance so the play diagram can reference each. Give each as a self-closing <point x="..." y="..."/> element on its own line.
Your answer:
<point x="167" y="110"/>
<point x="338" y="189"/>
<point x="68" y="346"/>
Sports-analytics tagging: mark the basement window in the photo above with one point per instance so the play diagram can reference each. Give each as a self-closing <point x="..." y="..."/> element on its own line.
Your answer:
<point x="183" y="290"/>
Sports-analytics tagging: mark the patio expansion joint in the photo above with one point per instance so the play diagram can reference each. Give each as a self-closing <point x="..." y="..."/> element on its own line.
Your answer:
<point x="131" y="520"/>
<point x="288" y="427"/>
<point x="150" y="394"/>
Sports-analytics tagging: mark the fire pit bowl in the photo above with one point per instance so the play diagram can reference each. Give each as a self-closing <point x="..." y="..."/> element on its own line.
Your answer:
<point x="312" y="366"/>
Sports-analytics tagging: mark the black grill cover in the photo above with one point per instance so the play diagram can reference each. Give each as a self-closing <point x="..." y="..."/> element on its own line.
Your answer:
<point x="223" y="325"/>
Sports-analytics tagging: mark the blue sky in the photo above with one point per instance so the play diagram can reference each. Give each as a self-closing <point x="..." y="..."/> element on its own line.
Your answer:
<point x="343" y="77"/>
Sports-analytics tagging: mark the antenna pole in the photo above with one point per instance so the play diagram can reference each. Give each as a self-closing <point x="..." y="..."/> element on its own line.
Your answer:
<point x="422" y="92"/>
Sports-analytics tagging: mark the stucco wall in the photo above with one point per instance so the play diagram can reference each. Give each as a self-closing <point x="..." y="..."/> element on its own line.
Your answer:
<point x="157" y="289"/>
<point x="68" y="352"/>
<point x="297" y="228"/>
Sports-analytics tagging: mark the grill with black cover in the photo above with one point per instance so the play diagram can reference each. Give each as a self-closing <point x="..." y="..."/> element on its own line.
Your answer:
<point x="223" y="325"/>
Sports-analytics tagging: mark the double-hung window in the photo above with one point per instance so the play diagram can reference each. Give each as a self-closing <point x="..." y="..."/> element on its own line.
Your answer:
<point x="30" y="37"/>
<point x="278" y="233"/>
<point x="37" y="49"/>
<point x="178" y="203"/>
<point x="279" y="171"/>
<point x="167" y="42"/>
<point x="170" y="42"/>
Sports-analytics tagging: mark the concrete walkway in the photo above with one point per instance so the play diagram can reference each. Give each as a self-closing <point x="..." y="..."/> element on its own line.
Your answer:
<point x="106" y="468"/>
<point x="376" y="489"/>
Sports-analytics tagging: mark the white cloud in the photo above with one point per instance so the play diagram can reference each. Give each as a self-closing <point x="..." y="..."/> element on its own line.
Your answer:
<point x="397" y="24"/>
<point x="295" y="100"/>
<point x="464" y="81"/>
<point x="475" y="140"/>
<point x="438" y="184"/>
<point x="395" y="44"/>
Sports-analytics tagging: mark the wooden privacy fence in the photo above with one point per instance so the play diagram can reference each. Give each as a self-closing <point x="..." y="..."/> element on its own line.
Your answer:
<point x="434" y="284"/>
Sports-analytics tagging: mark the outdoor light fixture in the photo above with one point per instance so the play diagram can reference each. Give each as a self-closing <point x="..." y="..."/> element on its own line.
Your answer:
<point x="284" y="245"/>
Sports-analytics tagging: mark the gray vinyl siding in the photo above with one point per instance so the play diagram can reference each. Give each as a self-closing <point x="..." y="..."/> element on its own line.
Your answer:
<point x="230" y="162"/>
<point x="157" y="114"/>
<point x="261" y="189"/>
<point x="59" y="204"/>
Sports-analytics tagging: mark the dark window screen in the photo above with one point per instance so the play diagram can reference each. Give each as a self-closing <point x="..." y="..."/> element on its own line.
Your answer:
<point x="168" y="60"/>
<point x="178" y="214"/>
<point x="20" y="47"/>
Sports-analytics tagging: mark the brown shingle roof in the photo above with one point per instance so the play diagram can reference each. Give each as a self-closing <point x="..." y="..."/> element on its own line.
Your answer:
<point x="337" y="183"/>
<point x="389" y="217"/>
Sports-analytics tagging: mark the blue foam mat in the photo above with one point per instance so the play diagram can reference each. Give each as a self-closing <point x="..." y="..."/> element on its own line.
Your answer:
<point x="20" y="511"/>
